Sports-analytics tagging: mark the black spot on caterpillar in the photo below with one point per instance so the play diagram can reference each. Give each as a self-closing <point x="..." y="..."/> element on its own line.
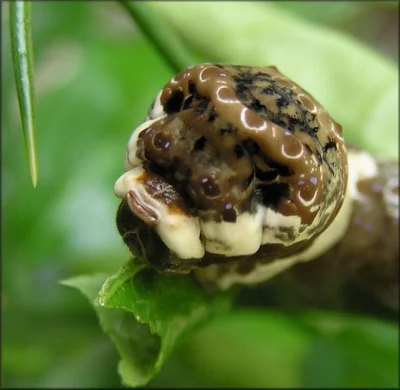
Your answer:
<point x="238" y="174"/>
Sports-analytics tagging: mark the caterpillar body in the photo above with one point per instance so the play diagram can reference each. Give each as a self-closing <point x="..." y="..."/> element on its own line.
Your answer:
<point x="238" y="174"/>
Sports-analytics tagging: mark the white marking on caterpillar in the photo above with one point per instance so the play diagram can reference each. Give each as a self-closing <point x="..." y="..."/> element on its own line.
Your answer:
<point x="291" y="156"/>
<point x="131" y="160"/>
<point x="242" y="237"/>
<point x="307" y="202"/>
<point x="362" y="166"/>
<point x="392" y="199"/>
<point x="179" y="231"/>
<point x="273" y="221"/>
<point x="243" y="118"/>
<point x="358" y="162"/>
<point x="224" y="100"/>
<point x="157" y="110"/>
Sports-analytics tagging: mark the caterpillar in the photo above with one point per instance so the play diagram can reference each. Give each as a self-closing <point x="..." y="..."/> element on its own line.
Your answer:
<point x="238" y="174"/>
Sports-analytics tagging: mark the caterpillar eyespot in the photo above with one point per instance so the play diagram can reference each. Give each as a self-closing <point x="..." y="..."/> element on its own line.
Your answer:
<point x="238" y="173"/>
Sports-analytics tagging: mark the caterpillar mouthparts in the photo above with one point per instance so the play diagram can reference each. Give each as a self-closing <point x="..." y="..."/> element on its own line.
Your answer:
<point x="232" y="163"/>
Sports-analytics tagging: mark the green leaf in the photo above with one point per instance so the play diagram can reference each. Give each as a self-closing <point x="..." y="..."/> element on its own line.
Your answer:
<point x="147" y="314"/>
<point x="22" y="54"/>
<point x="356" y="85"/>
<point x="358" y="352"/>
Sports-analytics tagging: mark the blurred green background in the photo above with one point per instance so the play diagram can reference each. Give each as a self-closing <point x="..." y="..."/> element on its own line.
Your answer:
<point x="96" y="76"/>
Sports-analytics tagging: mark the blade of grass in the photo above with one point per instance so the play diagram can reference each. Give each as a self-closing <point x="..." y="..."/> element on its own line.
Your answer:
<point x="169" y="46"/>
<point x="22" y="54"/>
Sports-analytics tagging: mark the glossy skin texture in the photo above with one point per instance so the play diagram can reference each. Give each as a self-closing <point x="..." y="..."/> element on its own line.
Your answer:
<point x="245" y="150"/>
<point x="238" y="173"/>
<point x="368" y="254"/>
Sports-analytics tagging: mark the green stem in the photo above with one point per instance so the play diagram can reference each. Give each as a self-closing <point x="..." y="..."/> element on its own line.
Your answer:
<point x="169" y="46"/>
<point x="22" y="54"/>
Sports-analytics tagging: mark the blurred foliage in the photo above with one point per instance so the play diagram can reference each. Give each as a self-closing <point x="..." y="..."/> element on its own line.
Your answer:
<point x="381" y="30"/>
<point x="170" y="48"/>
<point x="96" y="76"/>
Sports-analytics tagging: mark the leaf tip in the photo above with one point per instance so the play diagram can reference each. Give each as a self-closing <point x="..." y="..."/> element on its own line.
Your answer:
<point x="34" y="173"/>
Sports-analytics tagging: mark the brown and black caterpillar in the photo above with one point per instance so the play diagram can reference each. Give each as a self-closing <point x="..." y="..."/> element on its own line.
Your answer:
<point x="238" y="174"/>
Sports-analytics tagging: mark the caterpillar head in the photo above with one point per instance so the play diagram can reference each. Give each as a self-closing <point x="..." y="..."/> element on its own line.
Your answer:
<point x="233" y="163"/>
